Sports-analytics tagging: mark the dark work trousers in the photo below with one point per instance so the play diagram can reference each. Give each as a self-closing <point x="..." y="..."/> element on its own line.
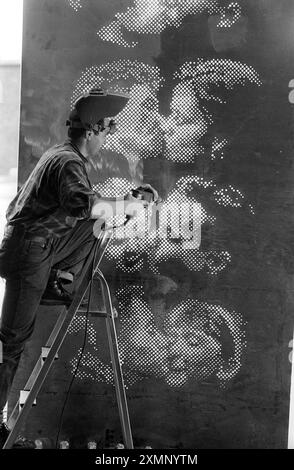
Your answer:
<point x="26" y="266"/>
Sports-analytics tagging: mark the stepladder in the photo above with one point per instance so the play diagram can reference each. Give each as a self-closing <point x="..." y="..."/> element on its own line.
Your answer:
<point x="90" y="276"/>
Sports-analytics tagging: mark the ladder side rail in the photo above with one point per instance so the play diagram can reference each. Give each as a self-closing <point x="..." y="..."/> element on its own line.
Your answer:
<point x="12" y="417"/>
<point x="116" y="365"/>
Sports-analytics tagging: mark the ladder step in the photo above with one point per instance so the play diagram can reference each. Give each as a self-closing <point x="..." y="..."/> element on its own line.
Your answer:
<point x="45" y="352"/>
<point x="23" y="395"/>
<point x="98" y="313"/>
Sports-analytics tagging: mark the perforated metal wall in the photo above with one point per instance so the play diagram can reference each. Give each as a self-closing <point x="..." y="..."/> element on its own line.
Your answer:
<point x="202" y="281"/>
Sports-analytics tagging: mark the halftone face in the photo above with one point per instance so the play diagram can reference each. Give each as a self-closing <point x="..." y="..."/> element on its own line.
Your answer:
<point x="184" y="349"/>
<point x="188" y="345"/>
<point x="144" y="346"/>
<point x="185" y="126"/>
<point x="192" y="350"/>
<point x="139" y="134"/>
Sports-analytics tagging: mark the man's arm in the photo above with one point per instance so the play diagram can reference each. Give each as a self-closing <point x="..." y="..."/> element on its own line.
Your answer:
<point x="76" y="196"/>
<point x="79" y="200"/>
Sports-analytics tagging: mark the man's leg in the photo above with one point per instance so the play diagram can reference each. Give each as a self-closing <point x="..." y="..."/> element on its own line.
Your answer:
<point x="26" y="267"/>
<point x="70" y="255"/>
<point x="72" y="251"/>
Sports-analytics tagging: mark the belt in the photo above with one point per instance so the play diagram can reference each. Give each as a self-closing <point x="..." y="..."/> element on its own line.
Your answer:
<point x="16" y="230"/>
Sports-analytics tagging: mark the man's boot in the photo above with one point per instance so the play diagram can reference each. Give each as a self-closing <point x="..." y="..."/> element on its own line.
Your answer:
<point x="4" y="433"/>
<point x="55" y="293"/>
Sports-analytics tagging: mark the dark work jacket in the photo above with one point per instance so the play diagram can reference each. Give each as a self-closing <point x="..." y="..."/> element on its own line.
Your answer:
<point x="56" y="194"/>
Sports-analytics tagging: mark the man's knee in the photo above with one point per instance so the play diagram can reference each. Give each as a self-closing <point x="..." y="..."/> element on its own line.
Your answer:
<point x="13" y="352"/>
<point x="14" y="340"/>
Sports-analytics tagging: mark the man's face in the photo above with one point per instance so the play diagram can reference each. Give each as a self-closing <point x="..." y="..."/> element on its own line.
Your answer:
<point x="98" y="139"/>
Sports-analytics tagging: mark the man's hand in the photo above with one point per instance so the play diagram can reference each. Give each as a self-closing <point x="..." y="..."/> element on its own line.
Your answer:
<point x="149" y="189"/>
<point x="135" y="203"/>
<point x="106" y="208"/>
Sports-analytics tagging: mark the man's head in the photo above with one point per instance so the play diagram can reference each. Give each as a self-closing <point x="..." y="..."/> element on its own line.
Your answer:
<point x="91" y="119"/>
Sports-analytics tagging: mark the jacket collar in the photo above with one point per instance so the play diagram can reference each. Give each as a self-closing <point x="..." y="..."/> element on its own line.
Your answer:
<point x="69" y="143"/>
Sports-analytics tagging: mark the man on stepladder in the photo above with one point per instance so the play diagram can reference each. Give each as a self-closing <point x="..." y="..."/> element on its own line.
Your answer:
<point x="49" y="232"/>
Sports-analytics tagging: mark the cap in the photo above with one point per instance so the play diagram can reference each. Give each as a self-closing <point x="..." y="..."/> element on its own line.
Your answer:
<point x="94" y="106"/>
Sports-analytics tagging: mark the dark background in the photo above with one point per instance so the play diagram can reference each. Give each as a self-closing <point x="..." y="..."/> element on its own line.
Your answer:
<point x="252" y="411"/>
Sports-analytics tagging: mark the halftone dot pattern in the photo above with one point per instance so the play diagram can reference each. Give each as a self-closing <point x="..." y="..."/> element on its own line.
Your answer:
<point x="139" y="133"/>
<point x="201" y="82"/>
<point x="206" y="74"/>
<point x="218" y="147"/>
<point x="189" y="346"/>
<point x="212" y="262"/>
<point x="75" y="4"/>
<point x="90" y="367"/>
<point x="78" y="324"/>
<point x="113" y="187"/>
<point x="229" y="196"/>
<point x="135" y="255"/>
<point x="176" y="230"/>
<point x="142" y="130"/>
<point x="117" y="76"/>
<point x="172" y="230"/>
<point x="153" y="16"/>
<point x="251" y="208"/>
<point x="216" y="261"/>
<point x="230" y="15"/>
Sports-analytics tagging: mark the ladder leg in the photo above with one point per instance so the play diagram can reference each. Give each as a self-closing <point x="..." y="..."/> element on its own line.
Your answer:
<point x="116" y="365"/>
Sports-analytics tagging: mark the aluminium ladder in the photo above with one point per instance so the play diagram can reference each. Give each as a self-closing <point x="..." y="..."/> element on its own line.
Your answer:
<point x="90" y="273"/>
